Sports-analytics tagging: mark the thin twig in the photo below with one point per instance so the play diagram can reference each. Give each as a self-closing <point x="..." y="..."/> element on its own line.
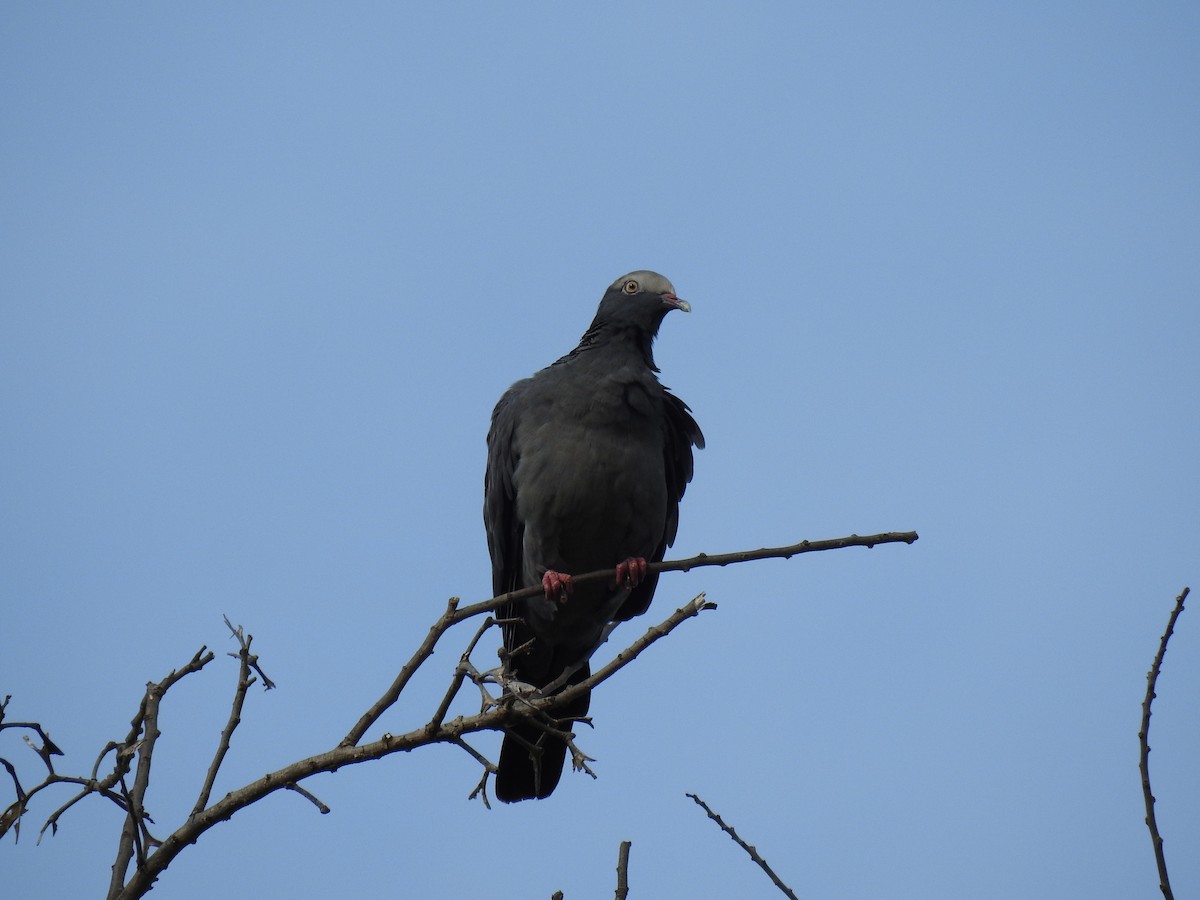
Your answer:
<point x="308" y="796"/>
<point x="90" y="786"/>
<point x="44" y="752"/>
<point x="392" y="694"/>
<point x="699" y="561"/>
<point x="762" y="863"/>
<point x="461" y="671"/>
<point x="108" y="748"/>
<point x="245" y="640"/>
<point x="479" y="757"/>
<point x="235" y="715"/>
<point x="48" y="748"/>
<point x="1164" y="883"/>
<point x="693" y="607"/>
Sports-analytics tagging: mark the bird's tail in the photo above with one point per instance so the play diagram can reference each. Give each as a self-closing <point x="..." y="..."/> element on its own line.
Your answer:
<point x="531" y="761"/>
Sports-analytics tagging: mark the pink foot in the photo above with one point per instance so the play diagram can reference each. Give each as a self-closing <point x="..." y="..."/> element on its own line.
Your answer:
<point x="631" y="572"/>
<point x="558" y="587"/>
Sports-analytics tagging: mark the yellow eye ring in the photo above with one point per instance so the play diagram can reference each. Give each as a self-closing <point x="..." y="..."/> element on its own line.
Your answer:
<point x="631" y="287"/>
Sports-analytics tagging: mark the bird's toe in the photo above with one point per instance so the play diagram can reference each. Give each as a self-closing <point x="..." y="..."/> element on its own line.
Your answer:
<point x="631" y="571"/>
<point x="557" y="586"/>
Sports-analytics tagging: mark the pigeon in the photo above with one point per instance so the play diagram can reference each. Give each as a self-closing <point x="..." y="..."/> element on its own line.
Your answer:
<point x="587" y="462"/>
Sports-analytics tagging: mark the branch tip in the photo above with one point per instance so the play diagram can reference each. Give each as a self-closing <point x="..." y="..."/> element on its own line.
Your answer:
<point x="1164" y="881"/>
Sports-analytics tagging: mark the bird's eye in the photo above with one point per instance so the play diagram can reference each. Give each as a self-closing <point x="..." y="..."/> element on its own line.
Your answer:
<point x="631" y="287"/>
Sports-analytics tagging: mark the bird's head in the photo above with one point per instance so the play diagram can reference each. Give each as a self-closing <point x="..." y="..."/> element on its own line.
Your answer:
<point x="639" y="300"/>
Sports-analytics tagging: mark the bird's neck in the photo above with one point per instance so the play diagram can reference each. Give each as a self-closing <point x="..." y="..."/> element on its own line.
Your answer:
<point x="615" y="339"/>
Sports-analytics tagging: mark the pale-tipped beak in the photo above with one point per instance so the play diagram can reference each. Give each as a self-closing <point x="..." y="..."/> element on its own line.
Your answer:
<point x="672" y="302"/>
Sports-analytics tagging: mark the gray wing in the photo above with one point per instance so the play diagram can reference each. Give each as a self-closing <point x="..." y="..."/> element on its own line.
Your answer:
<point x="505" y="532"/>
<point x="680" y="434"/>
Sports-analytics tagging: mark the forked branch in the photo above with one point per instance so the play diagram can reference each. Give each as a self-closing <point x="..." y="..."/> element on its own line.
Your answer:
<point x="151" y="856"/>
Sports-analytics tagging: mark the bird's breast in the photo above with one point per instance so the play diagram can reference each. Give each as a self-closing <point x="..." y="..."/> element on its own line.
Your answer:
<point x="591" y="485"/>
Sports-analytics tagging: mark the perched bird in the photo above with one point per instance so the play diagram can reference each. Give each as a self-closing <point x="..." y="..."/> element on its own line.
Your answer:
<point x="587" y="462"/>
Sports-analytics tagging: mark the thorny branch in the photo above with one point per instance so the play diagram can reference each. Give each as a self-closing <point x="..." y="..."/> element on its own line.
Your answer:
<point x="1164" y="883"/>
<point x="152" y="856"/>
<point x="762" y="863"/>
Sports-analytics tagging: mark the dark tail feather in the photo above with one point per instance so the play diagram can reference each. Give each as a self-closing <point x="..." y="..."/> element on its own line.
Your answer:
<point x="531" y="761"/>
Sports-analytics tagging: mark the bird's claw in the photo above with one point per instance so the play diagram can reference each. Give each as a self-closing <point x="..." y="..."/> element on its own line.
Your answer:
<point x="630" y="572"/>
<point x="558" y="587"/>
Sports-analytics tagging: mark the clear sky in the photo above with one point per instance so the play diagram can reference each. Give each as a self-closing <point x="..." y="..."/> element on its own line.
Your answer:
<point x="265" y="268"/>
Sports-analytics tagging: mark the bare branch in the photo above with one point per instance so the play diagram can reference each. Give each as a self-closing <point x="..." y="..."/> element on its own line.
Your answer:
<point x="126" y="751"/>
<point x="478" y="757"/>
<point x="455" y="614"/>
<point x="704" y="559"/>
<point x="108" y="748"/>
<point x="308" y="796"/>
<point x="693" y="607"/>
<point x="48" y="747"/>
<point x="1164" y="882"/>
<point x="623" y="871"/>
<point x="580" y="760"/>
<point x="762" y="863"/>
<point x="134" y="831"/>
<point x="235" y="713"/>
<point x="453" y="731"/>
<point x="11" y="817"/>
<point x="461" y="671"/>
<point x="90" y="786"/>
<point x="154" y="856"/>
<point x="244" y="640"/>
<point x="392" y="694"/>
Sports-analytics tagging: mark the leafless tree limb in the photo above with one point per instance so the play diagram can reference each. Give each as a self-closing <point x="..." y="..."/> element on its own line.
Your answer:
<point x="134" y="835"/>
<point x="622" y="891"/>
<point x="113" y="786"/>
<point x="455" y="614"/>
<point x="501" y="716"/>
<point x="11" y="817"/>
<point x="151" y="856"/>
<point x="1164" y="882"/>
<point x="244" y="641"/>
<point x="461" y="672"/>
<point x="90" y="786"/>
<point x="48" y="748"/>
<point x="762" y="863"/>
<point x="246" y="661"/>
<point x="700" y="560"/>
<point x="392" y="694"/>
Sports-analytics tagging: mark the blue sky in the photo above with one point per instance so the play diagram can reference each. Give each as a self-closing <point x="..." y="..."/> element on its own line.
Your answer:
<point x="265" y="269"/>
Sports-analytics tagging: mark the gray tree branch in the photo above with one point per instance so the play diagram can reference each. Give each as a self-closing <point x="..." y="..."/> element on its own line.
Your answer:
<point x="150" y="857"/>
<point x="1164" y="882"/>
<point x="753" y="852"/>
